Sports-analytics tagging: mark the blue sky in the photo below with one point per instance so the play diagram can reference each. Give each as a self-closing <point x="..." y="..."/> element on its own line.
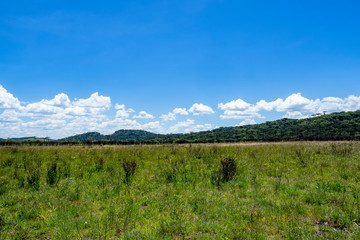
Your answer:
<point x="212" y="60"/>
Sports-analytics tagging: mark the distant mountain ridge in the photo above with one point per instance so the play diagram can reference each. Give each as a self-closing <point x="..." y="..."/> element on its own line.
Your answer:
<point x="27" y="139"/>
<point x="335" y="126"/>
<point x="120" y="135"/>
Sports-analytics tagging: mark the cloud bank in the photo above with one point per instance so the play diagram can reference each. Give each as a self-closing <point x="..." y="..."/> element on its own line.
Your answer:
<point x="61" y="117"/>
<point x="294" y="106"/>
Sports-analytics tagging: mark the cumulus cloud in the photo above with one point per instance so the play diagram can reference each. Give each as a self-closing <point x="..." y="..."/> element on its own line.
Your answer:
<point x="153" y="126"/>
<point x="9" y="115"/>
<point x="60" y="116"/>
<point x="168" y="117"/>
<point x="199" y="127"/>
<point x="143" y="114"/>
<point x="181" y="111"/>
<point x="295" y="102"/>
<point x="175" y="128"/>
<point x="238" y="114"/>
<point x="238" y="104"/>
<point x="295" y="106"/>
<point x="7" y="100"/>
<point x="113" y="125"/>
<point x="247" y="122"/>
<point x="262" y="105"/>
<point x="122" y="112"/>
<point x="61" y="106"/>
<point x="45" y="124"/>
<point x="95" y="104"/>
<point x="171" y="116"/>
<point x="295" y="115"/>
<point x="200" y="109"/>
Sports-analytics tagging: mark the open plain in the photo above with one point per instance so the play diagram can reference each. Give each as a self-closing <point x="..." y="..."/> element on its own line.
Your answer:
<point x="290" y="190"/>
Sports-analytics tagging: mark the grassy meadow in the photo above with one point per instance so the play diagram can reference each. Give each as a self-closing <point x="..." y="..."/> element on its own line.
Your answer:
<point x="300" y="190"/>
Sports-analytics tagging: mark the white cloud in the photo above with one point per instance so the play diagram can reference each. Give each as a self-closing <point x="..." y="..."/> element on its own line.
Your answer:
<point x="94" y="101"/>
<point x="351" y="103"/>
<point x="334" y="104"/>
<point x="9" y="115"/>
<point x="122" y="112"/>
<point x="295" y="115"/>
<point x="181" y="111"/>
<point x="119" y="106"/>
<point x="7" y="100"/>
<point x="168" y="117"/>
<point x="238" y="104"/>
<point x="113" y="125"/>
<point x="45" y="124"/>
<point x="62" y="106"/>
<point x="247" y="122"/>
<point x="153" y="126"/>
<point x="143" y="114"/>
<point x="295" y="102"/>
<point x="244" y="114"/>
<point x="198" y="128"/>
<point x="295" y="106"/>
<point x="175" y="128"/>
<point x="200" y="109"/>
<point x="171" y="116"/>
<point x="262" y="105"/>
<point x="95" y="104"/>
<point x="61" y="117"/>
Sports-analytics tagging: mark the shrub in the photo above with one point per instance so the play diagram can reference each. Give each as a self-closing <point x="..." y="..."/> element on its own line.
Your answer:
<point x="2" y="223"/>
<point x="64" y="171"/>
<point x="99" y="165"/>
<point x="8" y="162"/>
<point x="173" y="169"/>
<point x="129" y="167"/>
<point x="226" y="171"/>
<point x="52" y="174"/>
<point x="216" y="178"/>
<point x="21" y="182"/>
<point x="34" y="180"/>
<point x="342" y="149"/>
<point x="228" y="168"/>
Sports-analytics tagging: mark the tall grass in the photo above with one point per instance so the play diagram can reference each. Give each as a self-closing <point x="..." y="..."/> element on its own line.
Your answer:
<point x="258" y="191"/>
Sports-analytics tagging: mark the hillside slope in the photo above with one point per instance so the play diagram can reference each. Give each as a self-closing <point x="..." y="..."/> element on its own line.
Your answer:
<point x="335" y="126"/>
<point x="120" y="135"/>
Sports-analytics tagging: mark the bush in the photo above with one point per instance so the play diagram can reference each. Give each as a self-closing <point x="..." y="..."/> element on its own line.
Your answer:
<point x="228" y="168"/>
<point x="226" y="171"/>
<point x="34" y="180"/>
<point x="21" y="182"/>
<point x="129" y="167"/>
<point x="52" y="174"/>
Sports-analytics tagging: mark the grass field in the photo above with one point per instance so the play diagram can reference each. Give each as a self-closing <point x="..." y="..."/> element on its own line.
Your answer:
<point x="302" y="190"/>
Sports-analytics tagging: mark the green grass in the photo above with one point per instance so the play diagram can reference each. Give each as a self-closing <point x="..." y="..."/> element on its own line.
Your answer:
<point x="303" y="190"/>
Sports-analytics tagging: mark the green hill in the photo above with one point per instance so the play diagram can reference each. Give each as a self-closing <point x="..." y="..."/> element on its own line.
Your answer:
<point x="90" y="136"/>
<point x="132" y="135"/>
<point x="335" y="126"/>
<point x="120" y="135"/>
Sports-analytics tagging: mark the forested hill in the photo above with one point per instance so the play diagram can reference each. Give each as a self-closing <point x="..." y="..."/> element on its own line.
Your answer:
<point x="335" y="126"/>
<point x="120" y="135"/>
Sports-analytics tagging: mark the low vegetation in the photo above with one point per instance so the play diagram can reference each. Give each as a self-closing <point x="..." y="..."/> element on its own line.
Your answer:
<point x="302" y="190"/>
